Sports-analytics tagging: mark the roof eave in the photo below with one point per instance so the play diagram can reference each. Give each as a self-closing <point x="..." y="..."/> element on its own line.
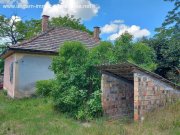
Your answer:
<point x="10" y="51"/>
<point x="135" y="68"/>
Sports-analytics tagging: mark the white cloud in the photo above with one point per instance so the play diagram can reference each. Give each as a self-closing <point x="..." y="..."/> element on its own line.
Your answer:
<point x="15" y="18"/>
<point x="109" y="28"/>
<point x="83" y="9"/>
<point x="117" y="28"/>
<point x="112" y="27"/>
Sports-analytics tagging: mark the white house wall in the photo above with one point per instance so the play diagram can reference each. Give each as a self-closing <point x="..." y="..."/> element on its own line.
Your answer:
<point x="30" y="69"/>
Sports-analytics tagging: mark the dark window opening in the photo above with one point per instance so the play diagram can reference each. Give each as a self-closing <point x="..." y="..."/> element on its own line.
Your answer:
<point x="11" y="72"/>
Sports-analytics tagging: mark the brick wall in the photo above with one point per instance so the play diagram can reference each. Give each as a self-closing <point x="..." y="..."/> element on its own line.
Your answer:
<point x="151" y="93"/>
<point x="121" y="97"/>
<point x="117" y="96"/>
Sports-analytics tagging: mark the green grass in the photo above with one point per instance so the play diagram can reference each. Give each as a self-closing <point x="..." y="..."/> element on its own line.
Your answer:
<point x="36" y="116"/>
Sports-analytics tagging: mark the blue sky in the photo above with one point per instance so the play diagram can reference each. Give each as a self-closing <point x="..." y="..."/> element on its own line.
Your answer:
<point x="139" y="17"/>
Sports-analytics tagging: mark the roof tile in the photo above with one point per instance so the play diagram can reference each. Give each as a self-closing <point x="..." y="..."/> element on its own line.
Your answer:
<point x="54" y="38"/>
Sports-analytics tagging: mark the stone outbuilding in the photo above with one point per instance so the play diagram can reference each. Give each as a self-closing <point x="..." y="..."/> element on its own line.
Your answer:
<point x="128" y="90"/>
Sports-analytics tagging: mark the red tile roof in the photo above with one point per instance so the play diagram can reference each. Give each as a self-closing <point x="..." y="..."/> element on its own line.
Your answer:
<point x="52" y="39"/>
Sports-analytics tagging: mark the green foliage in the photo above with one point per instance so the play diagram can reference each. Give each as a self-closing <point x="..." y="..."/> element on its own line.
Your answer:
<point x="44" y="87"/>
<point x="18" y="31"/>
<point x="69" y="21"/>
<point x="8" y="30"/>
<point x="143" y="56"/>
<point x="123" y="47"/>
<point x="76" y="79"/>
<point x="94" y="104"/>
<point x="1" y="66"/>
<point x="166" y="45"/>
<point x="78" y="92"/>
<point x="29" y="29"/>
<point x="4" y="92"/>
<point x="92" y="108"/>
<point x="136" y="52"/>
<point x="103" y="53"/>
<point x="69" y="100"/>
<point x="167" y="56"/>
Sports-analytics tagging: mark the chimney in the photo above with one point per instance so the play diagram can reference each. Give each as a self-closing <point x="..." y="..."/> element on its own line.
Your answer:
<point x="97" y="31"/>
<point x="45" y="19"/>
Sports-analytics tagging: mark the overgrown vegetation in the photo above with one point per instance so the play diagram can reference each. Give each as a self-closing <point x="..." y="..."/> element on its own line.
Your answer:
<point x="44" y="87"/>
<point x="78" y="82"/>
<point x="76" y="89"/>
<point x="36" y="116"/>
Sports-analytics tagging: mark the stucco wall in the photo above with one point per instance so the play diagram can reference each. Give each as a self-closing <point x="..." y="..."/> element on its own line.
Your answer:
<point x="117" y="96"/>
<point x="151" y="93"/>
<point x="30" y="69"/>
<point x="7" y="85"/>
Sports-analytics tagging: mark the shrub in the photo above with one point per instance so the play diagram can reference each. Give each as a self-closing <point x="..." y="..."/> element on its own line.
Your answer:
<point x="92" y="108"/>
<point x="94" y="104"/>
<point x="68" y="100"/>
<point x="44" y="87"/>
<point x="77" y="81"/>
<point x="5" y="92"/>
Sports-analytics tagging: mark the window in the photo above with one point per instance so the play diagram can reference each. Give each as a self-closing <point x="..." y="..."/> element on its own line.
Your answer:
<point x="11" y="72"/>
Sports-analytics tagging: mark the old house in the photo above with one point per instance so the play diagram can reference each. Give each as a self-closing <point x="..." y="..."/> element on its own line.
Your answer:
<point x="29" y="61"/>
<point x="128" y="90"/>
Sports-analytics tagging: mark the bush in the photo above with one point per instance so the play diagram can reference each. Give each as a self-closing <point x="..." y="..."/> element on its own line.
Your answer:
<point x="5" y="93"/>
<point x="94" y="104"/>
<point x="44" y="87"/>
<point x="68" y="100"/>
<point x="92" y="108"/>
<point x="77" y="81"/>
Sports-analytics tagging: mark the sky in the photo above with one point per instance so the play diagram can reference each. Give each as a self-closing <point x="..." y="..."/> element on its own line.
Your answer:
<point x="138" y="17"/>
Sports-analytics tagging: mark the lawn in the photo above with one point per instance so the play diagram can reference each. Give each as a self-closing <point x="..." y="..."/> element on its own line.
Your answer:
<point x="35" y="116"/>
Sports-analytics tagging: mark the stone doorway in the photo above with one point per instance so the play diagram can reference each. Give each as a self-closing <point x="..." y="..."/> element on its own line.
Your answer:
<point x="117" y="96"/>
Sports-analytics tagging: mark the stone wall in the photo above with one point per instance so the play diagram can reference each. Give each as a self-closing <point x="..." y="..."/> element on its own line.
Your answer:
<point x="117" y="96"/>
<point x="151" y="93"/>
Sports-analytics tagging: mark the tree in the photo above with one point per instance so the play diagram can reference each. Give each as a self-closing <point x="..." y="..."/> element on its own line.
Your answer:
<point x="137" y="52"/>
<point x="17" y="30"/>
<point x="123" y="47"/>
<point x="143" y="56"/>
<point x="103" y="53"/>
<point x="8" y="29"/>
<point x="166" y="45"/>
<point x="28" y="29"/>
<point x="68" y="21"/>
<point x="171" y="24"/>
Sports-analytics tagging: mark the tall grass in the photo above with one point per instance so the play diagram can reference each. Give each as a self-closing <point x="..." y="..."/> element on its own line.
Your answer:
<point x="36" y="116"/>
